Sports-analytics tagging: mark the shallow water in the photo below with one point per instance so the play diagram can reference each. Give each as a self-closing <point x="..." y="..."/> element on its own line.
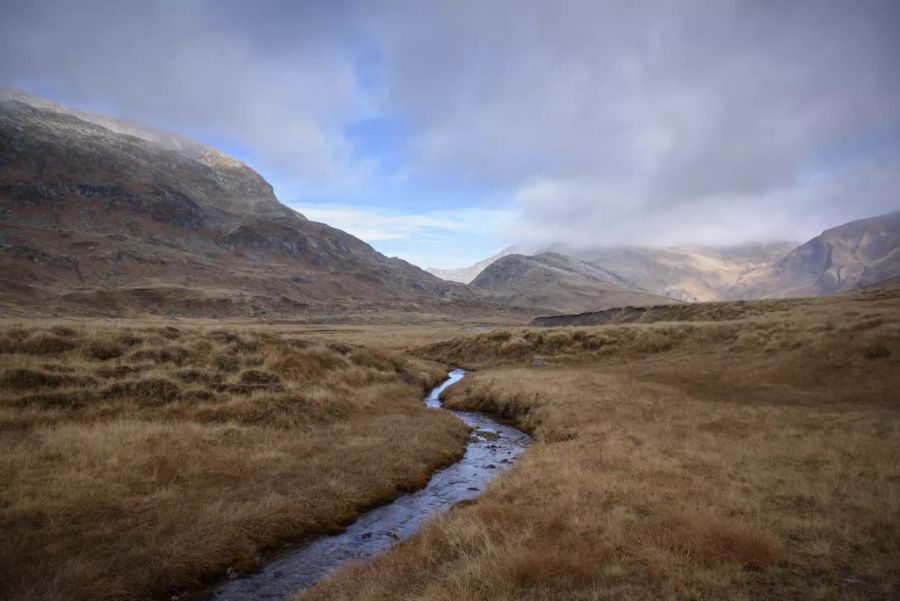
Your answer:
<point x="492" y="448"/>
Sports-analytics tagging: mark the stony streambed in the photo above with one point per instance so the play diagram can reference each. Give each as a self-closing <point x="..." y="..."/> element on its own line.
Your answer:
<point x="492" y="448"/>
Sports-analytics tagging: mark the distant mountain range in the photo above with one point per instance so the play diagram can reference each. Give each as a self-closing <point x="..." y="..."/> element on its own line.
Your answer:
<point x="106" y="216"/>
<point x="843" y="258"/>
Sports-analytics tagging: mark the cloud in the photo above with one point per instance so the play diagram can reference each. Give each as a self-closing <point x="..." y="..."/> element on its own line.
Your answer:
<point x="277" y="77"/>
<point x="443" y="238"/>
<point x="590" y="213"/>
<point x="372" y="225"/>
<point x="606" y="122"/>
<point x="378" y="223"/>
<point x="655" y="121"/>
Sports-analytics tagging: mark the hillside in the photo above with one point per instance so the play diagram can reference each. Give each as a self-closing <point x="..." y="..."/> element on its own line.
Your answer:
<point x="846" y="257"/>
<point x="689" y="273"/>
<point x="465" y="275"/>
<point x="712" y="311"/>
<point x="105" y="216"/>
<point x="558" y="283"/>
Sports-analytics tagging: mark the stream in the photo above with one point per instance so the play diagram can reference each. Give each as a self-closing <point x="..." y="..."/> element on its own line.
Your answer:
<point x="492" y="448"/>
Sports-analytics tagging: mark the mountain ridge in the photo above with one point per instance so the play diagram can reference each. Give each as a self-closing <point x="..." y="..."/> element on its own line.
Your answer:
<point x="96" y="207"/>
<point x="558" y="283"/>
<point x="846" y="257"/>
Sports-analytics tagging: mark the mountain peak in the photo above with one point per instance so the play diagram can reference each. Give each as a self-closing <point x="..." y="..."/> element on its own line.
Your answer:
<point x="102" y="210"/>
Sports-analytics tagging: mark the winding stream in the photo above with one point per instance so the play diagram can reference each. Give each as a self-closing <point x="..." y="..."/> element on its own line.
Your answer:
<point x="492" y="448"/>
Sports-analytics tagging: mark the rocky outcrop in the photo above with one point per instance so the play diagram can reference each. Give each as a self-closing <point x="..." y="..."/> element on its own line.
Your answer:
<point x="850" y="256"/>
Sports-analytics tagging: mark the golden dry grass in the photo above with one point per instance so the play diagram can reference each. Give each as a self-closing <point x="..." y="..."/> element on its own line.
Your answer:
<point x="753" y="458"/>
<point x="139" y="461"/>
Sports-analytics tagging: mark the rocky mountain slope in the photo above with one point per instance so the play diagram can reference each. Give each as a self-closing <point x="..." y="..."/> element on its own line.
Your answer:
<point x="108" y="216"/>
<point x="689" y="273"/>
<point x="558" y="283"/>
<point x="846" y="257"/>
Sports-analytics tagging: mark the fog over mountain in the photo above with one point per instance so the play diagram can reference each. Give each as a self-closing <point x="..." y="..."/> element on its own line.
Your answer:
<point x="589" y="123"/>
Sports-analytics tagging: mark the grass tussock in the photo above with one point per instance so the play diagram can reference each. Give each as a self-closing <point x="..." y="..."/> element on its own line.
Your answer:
<point x="137" y="462"/>
<point x="750" y="458"/>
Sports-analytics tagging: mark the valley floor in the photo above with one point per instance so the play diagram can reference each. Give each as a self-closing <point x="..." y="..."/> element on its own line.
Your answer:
<point x="751" y="454"/>
<point x="753" y="458"/>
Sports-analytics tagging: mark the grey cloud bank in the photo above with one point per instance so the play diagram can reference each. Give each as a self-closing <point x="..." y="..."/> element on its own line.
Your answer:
<point x="660" y="122"/>
<point x="281" y="86"/>
<point x="601" y="122"/>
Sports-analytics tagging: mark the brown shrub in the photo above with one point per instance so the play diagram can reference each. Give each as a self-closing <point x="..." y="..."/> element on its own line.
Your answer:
<point x="169" y="332"/>
<point x="225" y="362"/>
<point x="714" y="540"/>
<point x="201" y="346"/>
<point x="528" y="567"/>
<point x="340" y="348"/>
<point x="22" y="379"/>
<point x="192" y="376"/>
<point x="867" y="324"/>
<point x="167" y="354"/>
<point x="516" y="347"/>
<point x="119" y="371"/>
<point x="223" y="336"/>
<point x="306" y="364"/>
<point x="130" y="340"/>
<point x="19" y="333"/>
<point x="499" y="335"/>
<point x="147" y="391"/>
<point x="255" y="377"/>
<point x="44" y="344"/>
<point x="653" y="341"/>
<point x="104" y="350"/>
<point x="70" y="399"/>
<point x="65" y="331"/>
<point x="875" y="350"/>
<point x="557" y="341"/>
<point x="297" y="343"/>
<point x="366" y="357"/>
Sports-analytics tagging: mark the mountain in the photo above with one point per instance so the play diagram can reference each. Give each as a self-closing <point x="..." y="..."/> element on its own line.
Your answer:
<point x="465" y="275"/>
<point x="850" y="256"/>
<point x="689" y="273"/>
<point x="104" y="215"/>
<point x="559" y="283"/>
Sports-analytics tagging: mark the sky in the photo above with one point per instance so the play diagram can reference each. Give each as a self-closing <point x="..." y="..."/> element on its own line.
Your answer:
<point x="442" y="132"/>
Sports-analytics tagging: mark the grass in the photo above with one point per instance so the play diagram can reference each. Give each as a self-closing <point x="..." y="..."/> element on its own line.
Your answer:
<point x="755" y="457"/>
<point x="141" y="461"/>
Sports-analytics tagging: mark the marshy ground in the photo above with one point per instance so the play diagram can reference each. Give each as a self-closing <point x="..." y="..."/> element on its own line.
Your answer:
<point x="138" y="461"/>
<point x="757" y="457"/>
<point x="753" y="454"/>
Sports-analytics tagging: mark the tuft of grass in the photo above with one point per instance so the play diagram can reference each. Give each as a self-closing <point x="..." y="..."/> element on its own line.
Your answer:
<point x="18" y="380"/>
<point x="713" y="539"/>
<point x="104" y="349"/>
<point x="144" y="391"/>
<point x="259" y="378"/>
<point x="46" y="344"/>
